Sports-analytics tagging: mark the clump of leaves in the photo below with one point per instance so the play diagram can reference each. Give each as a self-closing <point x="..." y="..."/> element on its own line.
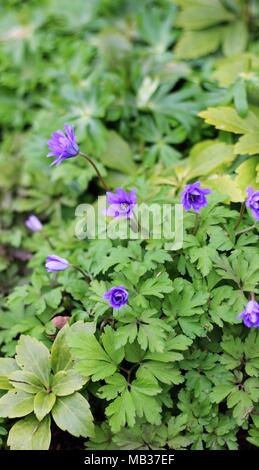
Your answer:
<point x="42" y="385"/>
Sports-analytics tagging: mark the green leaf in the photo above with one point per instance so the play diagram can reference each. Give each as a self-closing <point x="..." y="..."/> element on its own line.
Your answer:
<point x="184" y="301"/>
<point x="43" y="404"/>
<point x="251" y="350"/>
<point x="7" y="365"/>
<point x="118" y="155"/>
<point x="194" y="44"/>
<point x="233" y="352"/>
<point x="121" y="412"/>
<point x="235" y="40"/>
<point x="221" y="391"/>
<point x="207" y="156"/>
<point x="240" y="97"/>
<point x="202" y="14"/>
<point x="33" y="356"/>
<point x="247" y="174"/>
<point x="227" y="119"/>
<point x="242" y="404"/>
<point x="92" y="359"/>
<point x="26" y="381"/>
<point x="30" y="434"/>
<point x="72" y="414"/>
<point x="248" y="144"/>
<point x="15" y="404"/>
<point x="152" y="332"/>
<point x="126" y="333"/>
<point x="61" y="358"/>
<point x="53" y="298"/>
<point x="165" y="373"/>
<point x="66" y="382"/>
<point x="157" y="286"/>
<point x="114" y="385"/>
<point x="204" y="256"/>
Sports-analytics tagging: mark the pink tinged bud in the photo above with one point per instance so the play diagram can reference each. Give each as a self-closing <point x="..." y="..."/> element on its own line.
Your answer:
<point x="60" y="321"/>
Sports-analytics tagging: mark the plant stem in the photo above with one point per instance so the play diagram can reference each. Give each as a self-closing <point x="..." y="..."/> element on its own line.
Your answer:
<point x="252" y="295"/>
<point x="196" y="224"/>
<point x="87" y="278"/>
<point x="247" y="229"/>
<point x="241" y="213"/>
<point x="49" y="241"/>
<point x="89" y="160"/>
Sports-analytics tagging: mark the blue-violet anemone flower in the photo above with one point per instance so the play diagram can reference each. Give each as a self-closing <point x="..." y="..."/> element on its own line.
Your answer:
<point x="63" y="145"/>
<point x="122" y="204"/>
<point x="117" y="297"/>
<point x="250" y="315"/>
<point x="55" y="263"/>
<point x="194" y="197"/>
<point x="33" y="223"/>
<point x="252" y="202"/>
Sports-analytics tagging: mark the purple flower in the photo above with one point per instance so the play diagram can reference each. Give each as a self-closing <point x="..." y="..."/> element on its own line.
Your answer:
<point x="63" y="145"/>
<point x="117" y="297"/>
<point x="194" y="197"/>
<point x="55" y="263"/>
<point x="252" y="202"/>
<point x="250" y="315"/>
<point x="33" y="223"/>
<point x="121" y="203"/>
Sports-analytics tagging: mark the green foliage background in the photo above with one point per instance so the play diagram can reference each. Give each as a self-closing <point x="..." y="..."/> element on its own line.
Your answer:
<point x="161" y="93"/>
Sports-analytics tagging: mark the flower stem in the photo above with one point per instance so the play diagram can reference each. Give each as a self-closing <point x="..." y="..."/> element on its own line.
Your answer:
<point x="252" y="296"/>
<point x="196" y="224"/>
<point x="49" y="241"/>
<point x="241" y="213"/>
<point x="247" y="229"/>
<point x="87" y="278"/>
<point x="96" y="169"/>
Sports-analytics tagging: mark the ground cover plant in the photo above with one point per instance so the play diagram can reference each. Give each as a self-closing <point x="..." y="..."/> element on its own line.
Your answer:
<point x="129" y="343"/>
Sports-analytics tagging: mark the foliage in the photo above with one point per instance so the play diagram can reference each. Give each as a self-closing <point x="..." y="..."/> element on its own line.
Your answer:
<point x="161" y="93"/>
<point x="40" y="384"/>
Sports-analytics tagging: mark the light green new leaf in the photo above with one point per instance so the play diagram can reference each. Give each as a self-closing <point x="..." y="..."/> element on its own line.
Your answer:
<point x="15" y="404"/>
<point x="248" y="144"/>
<point x="43" y="404"/>
<point x="33" y="356"/>
<point x="30" y="434"/>
<point x="72" y="414"/>
<point x="207" y="156"/>
<point x="66" y="382"/>
<point x="248" y="174"/>
<point x="227" y="119"/>
<point x="61" y="358"/>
